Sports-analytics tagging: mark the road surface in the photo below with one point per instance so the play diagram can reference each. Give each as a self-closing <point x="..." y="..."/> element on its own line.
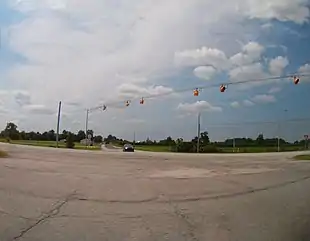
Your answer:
<point x="53" y="194"/>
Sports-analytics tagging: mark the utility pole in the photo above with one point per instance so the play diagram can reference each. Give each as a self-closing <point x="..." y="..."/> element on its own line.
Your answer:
<point x="86" y="128"/>
<point x="198" y="130"/>
<point x="134" y="138"/>
<point x="58" y="123"/>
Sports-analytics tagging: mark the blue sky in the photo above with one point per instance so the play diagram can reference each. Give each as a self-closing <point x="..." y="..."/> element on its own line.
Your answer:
<point x="94" y="52"/>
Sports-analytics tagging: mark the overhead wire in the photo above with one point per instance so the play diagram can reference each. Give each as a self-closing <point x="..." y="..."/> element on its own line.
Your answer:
<point x="203" y="87"/>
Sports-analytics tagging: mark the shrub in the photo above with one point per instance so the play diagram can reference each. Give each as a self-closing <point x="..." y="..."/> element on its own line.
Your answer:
<point x="70" y="141"/>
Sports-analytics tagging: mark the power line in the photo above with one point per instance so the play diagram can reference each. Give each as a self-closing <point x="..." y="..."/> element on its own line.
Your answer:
<point x="104" y="106"/>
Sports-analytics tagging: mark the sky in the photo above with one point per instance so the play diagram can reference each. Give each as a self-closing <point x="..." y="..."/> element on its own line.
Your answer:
<point x="95" y="52"/>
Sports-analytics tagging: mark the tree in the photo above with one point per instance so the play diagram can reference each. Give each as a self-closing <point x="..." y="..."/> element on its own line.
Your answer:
<point x="98" y="139"/>
<point x="204" y="138"/>
<point x="70" y="140"/>
<point x="260" y="140"/>
<point x="11" y="131"/>
<point x="80" y="136"/>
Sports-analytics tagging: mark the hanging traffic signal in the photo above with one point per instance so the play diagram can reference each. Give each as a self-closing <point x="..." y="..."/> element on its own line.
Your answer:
<point x="196" y="92"/>
<point x="223" y="88"/>
<point x="141" y="101"/>
<point x="296" y="80"/>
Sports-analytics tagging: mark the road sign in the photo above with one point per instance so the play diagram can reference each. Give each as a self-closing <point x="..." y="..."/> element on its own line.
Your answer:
<point x="306" y="137"/>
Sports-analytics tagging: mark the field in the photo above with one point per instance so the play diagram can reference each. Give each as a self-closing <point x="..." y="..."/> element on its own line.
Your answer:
<point x="302" y="157"/>
<point x="78" y="146"/>
<point x="254" y="149"/>
<point x="3" y="154"/>
<point x="154" y="148"/>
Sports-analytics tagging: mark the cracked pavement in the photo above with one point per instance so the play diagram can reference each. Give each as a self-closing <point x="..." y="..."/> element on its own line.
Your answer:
<point x="49" y="195"/>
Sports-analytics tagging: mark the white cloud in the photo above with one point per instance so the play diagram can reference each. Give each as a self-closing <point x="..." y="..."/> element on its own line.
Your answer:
<point x="134" y="91"/>
<point x="22" y="98"/>
<point x="277" y="65"/>
<point x="248" y="103"/>
<point x="264" y="99"/>
<point x="283" y="10"/>
<point x="251" y="52"/>
<point x="248" y="72"/>
<point x="39" y="109"/>
<point x="199" y="106"/>
<point x="274" y="90"/>
<point x="235" y="104"/>
<point x="203" y="56"/>
<point x="304" y="69"/>
<point x="204" y="72"/>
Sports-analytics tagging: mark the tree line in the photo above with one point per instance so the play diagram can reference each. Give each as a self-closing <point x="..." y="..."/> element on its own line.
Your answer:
<point x="11" y="132"/>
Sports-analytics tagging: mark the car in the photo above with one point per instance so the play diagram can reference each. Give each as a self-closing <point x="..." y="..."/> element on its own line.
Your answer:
<point x="128" y="148"/>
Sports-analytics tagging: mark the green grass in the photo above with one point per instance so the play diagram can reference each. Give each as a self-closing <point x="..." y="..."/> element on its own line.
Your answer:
<point x="302" y="157"/>
<point x="153" y="148"/>
<point x="3" y="154"/>
<point x="253" y="149"/>
<point x="259" y="149"/>
<point x="78" y="146"/>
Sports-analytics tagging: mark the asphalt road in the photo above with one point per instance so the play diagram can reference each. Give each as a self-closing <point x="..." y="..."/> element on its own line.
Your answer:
<point x="50" y="195"/>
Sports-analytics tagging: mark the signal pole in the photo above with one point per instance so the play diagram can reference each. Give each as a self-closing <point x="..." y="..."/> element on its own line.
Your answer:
<point x="198" y="130"/>
<point x="58" y="123"/>
<point x="86" y="127"/>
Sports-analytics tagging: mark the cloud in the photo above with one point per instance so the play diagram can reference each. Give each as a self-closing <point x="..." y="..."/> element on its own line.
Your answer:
<point x="251" y="52"/>
<point x="204" y="72"/>
<point x="135" y="121"/>
<point x="135" y="91"/>
<point x="264" y="99"/>
<point x="274" y="90"/>
<point x="199" y="106"/>
<point x="22" y="98"/>
<point x="277" y="65"/>
<point x="3" y="110"/>
<point x="283" y="10"/>
<point x="235" y="104"/>
<point x="203" y="56"/>
<point x="249" y="72"/>
<point x="248" y="103"/>
<point x="39" y="109"/>
<point x="304" y="69"/>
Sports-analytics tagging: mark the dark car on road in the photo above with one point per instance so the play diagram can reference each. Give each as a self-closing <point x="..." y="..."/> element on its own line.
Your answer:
<point x="128" y="148"/>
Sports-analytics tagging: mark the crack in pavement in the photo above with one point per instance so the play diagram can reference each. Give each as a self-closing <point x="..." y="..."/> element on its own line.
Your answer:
<point x="190" y="234"/>
<point x="53" y="212"/>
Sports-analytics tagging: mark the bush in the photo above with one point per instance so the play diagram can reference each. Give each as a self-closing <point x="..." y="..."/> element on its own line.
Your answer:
<point x="210" y="149"/>
<point x="70" y="141"/>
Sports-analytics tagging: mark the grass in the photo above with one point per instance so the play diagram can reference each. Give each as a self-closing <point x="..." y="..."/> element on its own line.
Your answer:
<point x="3" y="154"/>
<point x="78" y="145"/>
<point x="302" y="157"/>
<point x="259" y="149"/>
<point x="153" y="148"/>
<point x="254" y="149"/>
